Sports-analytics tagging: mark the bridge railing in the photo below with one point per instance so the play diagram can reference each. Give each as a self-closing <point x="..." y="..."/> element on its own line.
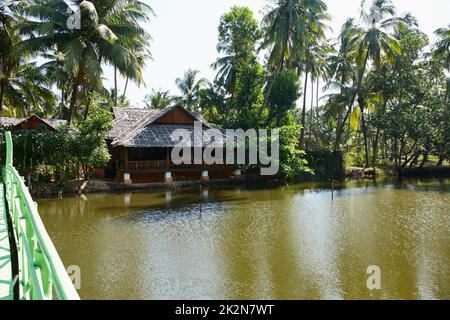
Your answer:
<point x="41" y="270"/>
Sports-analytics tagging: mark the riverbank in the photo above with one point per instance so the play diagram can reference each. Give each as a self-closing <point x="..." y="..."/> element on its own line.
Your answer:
<point x="389" y="172"/>
<point x="52" y="189"/>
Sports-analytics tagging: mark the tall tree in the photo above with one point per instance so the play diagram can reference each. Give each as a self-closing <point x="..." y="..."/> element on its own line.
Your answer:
<point x="189" y="87"/>
<point x="159" y="99"/>
<point x="287" y="28"/>
<point x="23" y="86"/>
<point x="109" y="34"/>
<point x="291" y="29"/>
<point x="369" y="41"/>
<point x="443" y="44"/>
<point x="238" y="34"/>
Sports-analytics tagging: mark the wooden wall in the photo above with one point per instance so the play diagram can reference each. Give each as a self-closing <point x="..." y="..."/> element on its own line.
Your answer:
<point x="177" y="116"/>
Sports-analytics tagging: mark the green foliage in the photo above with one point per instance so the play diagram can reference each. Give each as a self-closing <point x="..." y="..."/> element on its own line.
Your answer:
<point x="110" y="33"/>
<point x="283" y="96"/>
<point x="248" y="97"/>
<point x="159" y="99"/>
<point x="292" y="160"/>
<point x="290" y="27"/>
<point x="44" y="155"/>
<point x="190" y="87"/>
<point x="415" y="117"/>
<point x="90" y="149"/>
<point x="388" y="97"/>
<point x="238" y="34"/>
<point x="235" y="98"/>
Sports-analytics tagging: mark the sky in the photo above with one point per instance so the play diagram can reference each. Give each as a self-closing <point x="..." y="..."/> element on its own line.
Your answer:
<point x="184" y="35"/>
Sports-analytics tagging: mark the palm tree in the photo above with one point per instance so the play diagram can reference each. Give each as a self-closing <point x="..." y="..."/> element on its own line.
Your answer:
<point x="226" y="72"/>
<point x="314" y="67"/>
<point x="367" y="43"/>
<point x="27" y="90"/>
<point x="443" y="44"/>
<point x="57" y="75"/>
<point x="159" y="99"/>
<point x="287" y="30"/>
<point x="340" y="65"/>
<point x="442" y="47"/>
<point x="109" y="34"/>
<point x="292" y="28"/>
<point x="190" y="87"/>
<point x="23" y="86"/>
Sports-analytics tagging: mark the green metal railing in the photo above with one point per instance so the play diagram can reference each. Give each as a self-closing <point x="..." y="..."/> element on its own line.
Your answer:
<point x="41" y="270"/>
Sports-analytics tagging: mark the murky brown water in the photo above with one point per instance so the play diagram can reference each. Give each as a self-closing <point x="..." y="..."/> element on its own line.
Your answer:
<point x="290" y="242"/>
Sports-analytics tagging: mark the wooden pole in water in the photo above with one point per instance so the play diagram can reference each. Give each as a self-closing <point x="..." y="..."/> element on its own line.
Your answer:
<point x="332" y="189"/>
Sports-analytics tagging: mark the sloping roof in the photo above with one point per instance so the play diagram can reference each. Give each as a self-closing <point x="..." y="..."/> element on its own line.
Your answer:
<point x="127" y="119"/>
<point x="9" y="121"/>
<point x="136" y="127"/>
<point x="160" y="135"/>
<point x="12" y="121"/>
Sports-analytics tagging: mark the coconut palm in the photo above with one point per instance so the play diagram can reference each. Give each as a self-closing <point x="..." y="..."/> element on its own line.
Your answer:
<point x="288" y="27"/>
<point x="368" y="42"/>
<point x="314" y="66"/>
<point x="443" y="44"/>
<point x="27" y="91"/>
<point x="159" y="99"/>
<point x="190" y="87"/>
<point x="292" y="28"/>
<point x="226" y="72"/>
<point x="23" y="86"/>
<point x="109" y="34"/>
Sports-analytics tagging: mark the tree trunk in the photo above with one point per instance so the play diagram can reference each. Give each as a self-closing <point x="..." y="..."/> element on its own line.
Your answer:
<point x="267" y="93"/>
<point x="73" y="100"/>
<point x="302" y="132"/>
<point x="86" y="110"/>
<point x="310" y="127"/>
<point x="424" y="159"/>
<point x="366" y="147"/>
<point x="441" y="160"/>
<point x="339" y="132"/>
<point x="125" y="88"/>
<point x="447" y="92"/>
<point x="62" y="103"/>
<point x="375" y="148"/>
<point x="115" y="87"/>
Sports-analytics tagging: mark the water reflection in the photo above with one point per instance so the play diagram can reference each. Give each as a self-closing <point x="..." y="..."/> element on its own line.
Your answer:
<point x="286" y="242"/>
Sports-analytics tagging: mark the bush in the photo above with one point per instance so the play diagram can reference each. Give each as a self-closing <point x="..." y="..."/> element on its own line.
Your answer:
<point x="65" y="154"/>
<point x="292" y="159"/>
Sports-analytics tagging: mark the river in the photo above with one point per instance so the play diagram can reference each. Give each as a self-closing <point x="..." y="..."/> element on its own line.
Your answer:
<point x="288" y="242"/>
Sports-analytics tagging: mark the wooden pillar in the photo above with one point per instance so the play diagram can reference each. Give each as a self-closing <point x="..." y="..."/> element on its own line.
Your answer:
<point x="126" y="158"/>
<point x="167" y="158"/>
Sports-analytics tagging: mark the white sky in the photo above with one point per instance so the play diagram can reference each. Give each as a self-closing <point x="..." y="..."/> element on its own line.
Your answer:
<point x="185" y="35"/>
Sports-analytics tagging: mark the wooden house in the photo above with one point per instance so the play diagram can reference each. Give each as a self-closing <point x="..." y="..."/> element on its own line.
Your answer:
<point x="140" y="144"/>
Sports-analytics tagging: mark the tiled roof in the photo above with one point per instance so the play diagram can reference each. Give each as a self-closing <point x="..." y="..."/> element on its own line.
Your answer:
<point x="135" y="128"/>
<point x="127" y="119"/>
<point x="12" y="121"/>
<point x="9" y="121"/>
<point x="160" y="135"/>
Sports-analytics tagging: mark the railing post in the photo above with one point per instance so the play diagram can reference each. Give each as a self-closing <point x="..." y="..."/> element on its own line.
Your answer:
<point x="45" y="273"/>
<point x="9" y="149"/>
